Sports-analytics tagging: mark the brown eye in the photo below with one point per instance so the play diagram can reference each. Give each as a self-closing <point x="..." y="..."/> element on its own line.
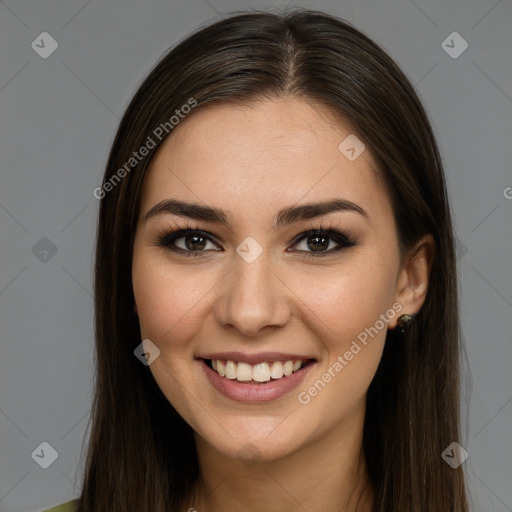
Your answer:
<point x="194" y="242"/>
<point x="319" y="242"/>
<point x="187" y="241"/>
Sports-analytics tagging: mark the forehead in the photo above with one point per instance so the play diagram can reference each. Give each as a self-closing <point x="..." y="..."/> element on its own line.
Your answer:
<point x="262" y="156"/>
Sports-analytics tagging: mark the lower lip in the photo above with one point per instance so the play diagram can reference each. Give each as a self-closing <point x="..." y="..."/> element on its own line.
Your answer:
<point x="255" y="393"/>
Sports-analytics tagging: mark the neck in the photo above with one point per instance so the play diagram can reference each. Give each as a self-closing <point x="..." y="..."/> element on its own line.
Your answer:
<point x="328" y="474"/>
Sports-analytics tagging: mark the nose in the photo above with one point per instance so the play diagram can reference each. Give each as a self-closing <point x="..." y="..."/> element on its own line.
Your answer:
<point x="253" y="298"/>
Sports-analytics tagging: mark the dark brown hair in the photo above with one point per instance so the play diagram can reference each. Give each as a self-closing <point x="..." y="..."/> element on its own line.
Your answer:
<point x="141" y="454"/>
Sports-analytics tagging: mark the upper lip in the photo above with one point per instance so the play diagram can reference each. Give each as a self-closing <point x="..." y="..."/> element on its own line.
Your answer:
<point x="253" y="359"/>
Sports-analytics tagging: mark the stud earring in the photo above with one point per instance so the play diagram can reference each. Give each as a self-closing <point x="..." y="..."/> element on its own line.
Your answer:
<point x="404" y="321"/>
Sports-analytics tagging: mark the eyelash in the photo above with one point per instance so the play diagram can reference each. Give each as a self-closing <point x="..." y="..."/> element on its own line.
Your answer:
<point x="166" y="239"/>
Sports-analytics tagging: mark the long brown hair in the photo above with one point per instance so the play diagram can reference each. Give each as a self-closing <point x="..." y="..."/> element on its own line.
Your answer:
<point x="141" y="454"/>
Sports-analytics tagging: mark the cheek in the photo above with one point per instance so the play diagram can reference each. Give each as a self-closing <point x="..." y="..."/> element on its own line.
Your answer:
<point x="169" y="309"/>
<point x="349" y="299"/>
<point x="351" y="306"/>
<point x="170" y="300"/>
<point x="346" y="308"/>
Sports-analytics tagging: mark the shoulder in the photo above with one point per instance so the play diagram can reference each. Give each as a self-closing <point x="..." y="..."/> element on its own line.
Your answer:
<point x="69" y="506"/>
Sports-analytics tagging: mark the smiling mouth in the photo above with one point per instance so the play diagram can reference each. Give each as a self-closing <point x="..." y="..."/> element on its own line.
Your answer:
<point x="261" y="373"/>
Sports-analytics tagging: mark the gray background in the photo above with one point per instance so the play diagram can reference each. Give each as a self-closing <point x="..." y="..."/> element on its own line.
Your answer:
<point x="58" y="117"/>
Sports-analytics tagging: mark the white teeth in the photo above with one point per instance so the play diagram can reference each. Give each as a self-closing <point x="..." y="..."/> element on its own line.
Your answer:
<point x="288" y="368"/>
<point x="276" y="372"/>
<point x="230" y="370"/>
<point x="244" y="372"/>
<point x="261" y="372"/>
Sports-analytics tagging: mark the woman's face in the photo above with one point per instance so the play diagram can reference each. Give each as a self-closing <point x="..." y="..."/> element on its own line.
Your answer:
<point x="251" y="289"/>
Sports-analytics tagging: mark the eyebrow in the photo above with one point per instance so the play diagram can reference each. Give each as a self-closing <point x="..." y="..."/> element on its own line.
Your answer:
<point x="286" y="216"/>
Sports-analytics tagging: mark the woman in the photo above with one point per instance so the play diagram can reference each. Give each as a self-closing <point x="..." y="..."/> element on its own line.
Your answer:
<point x="275" y="288"/>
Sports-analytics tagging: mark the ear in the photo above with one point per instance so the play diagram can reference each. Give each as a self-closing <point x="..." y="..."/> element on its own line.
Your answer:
<point x="413" y="278"/>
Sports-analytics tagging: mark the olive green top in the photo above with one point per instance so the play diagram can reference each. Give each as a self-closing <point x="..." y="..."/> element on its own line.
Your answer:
<point x="69" y="506"/>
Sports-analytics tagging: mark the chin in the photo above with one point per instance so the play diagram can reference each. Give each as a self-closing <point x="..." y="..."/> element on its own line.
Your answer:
<point x="253" y="439"/>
